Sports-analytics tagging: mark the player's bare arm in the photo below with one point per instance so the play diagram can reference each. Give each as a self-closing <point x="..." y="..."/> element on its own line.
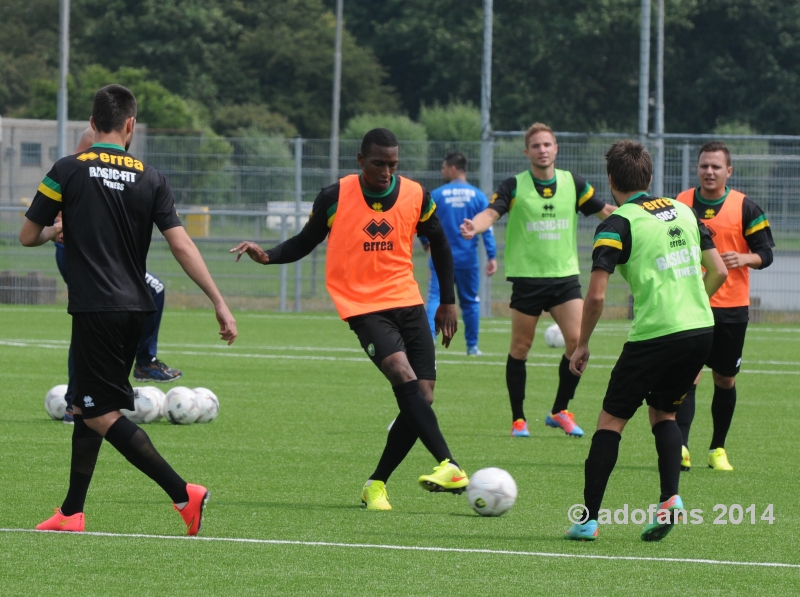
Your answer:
<point x="734" y="260"/>
<point x="253" y="251"/>
<point x="33" y="235"/>
<point x="446" y="320"/>
<point x="187" y="254"/>
<point x="606" y="211"/>
<point x="491" y="267"/>
<point x="716" y="272"/>
<point x="479" y="224"/>
<point x="592" y="310"/>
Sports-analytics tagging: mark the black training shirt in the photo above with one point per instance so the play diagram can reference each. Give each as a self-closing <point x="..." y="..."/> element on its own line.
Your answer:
<point x="109" y="202"/>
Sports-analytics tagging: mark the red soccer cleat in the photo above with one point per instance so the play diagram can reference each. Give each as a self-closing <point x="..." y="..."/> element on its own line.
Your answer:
<point x="192" y="512"/>
<point x="59" y="522"/>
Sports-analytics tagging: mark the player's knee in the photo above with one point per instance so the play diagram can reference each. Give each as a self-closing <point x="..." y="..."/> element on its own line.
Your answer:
<point x="725" y="382"/>
<point x="426" y="387"/>
<point x="520" y="348"/>
<point x="397" y="369"/>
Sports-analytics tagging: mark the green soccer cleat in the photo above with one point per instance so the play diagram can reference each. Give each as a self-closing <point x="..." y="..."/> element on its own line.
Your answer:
<point x="686" y="462"/>
<point x="445" y="477"/>
<point x="718" y="460"/>
<point x="668" y="513"/>
<point x="374" y="496"/>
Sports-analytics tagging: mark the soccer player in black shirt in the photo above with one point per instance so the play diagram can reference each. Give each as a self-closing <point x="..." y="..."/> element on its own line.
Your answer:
<point x="110" y="201"/>
<point x="148" y="367"/>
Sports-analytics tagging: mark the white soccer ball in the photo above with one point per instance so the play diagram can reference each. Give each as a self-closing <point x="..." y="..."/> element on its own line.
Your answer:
<point x="208" y="403"/>
<point x="553" y="337"/>
<point x="182" y="407"/>
<point x="162" y="399"/>
<point x="54" y="402"/>
<point x="147" y="403"/>
<point x="491" y="491"/>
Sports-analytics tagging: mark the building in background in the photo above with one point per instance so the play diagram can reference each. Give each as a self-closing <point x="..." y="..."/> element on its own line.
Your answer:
<point x="28" y="150"/>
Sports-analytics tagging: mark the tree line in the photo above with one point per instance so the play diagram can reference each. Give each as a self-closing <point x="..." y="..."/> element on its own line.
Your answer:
<point x="249" y="67"/>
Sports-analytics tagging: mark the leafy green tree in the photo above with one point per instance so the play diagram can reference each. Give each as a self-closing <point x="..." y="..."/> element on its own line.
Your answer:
<point x="412" y="136"/>
<point x="28" y="49"/>
<point x="157" y="107"/>
<point x="248" y="119"/>
<point x="182" y="43"/>
<point x="454" y="122"/>
<point x="735" y="61"/>
<point x="284" y="58"/>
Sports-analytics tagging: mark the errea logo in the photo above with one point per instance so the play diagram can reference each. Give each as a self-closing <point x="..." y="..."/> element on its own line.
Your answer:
<point x="87" y="156"/>
<point x="374" y="230"/>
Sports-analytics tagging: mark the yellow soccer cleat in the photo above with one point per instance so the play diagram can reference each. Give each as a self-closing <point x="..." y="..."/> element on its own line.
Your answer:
<point x="686" y="462"/>
<point x="374" y="496"/>
<point x="445" y="477"/>
<point x="718" y="460"/>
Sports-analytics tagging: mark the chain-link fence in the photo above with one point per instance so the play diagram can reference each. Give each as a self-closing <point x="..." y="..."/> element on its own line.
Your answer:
<point x="262" y="189"/>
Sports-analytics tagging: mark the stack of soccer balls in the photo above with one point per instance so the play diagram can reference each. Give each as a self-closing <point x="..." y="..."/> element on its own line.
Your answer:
<point x="181" y="405"/>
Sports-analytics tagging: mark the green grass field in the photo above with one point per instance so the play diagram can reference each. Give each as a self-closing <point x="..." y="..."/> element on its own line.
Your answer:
<point x="303" y="420"/>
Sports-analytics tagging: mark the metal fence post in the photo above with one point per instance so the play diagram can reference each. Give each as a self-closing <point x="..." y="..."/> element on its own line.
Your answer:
<point x="685" y="161"/>
<point x="487" y="186"/>
<point x="298" y="202"/>
<point x="284" y="266"/>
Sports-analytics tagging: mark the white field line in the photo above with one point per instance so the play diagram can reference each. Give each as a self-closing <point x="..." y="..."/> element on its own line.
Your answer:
<point x="601" y="326"/>
<point x="22" y="342"/>
<point x="231" y="353"/>
<point x="499" y="552"/>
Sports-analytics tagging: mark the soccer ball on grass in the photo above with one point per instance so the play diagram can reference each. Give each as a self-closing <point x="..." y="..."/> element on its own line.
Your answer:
<point x="208" y="403"/>
<point x="491" y="491"/>
<point x="54" y="402"/>
<point x="147" y="405"/>
<point x="553" y="337"/>
<point x="181" y="406"/>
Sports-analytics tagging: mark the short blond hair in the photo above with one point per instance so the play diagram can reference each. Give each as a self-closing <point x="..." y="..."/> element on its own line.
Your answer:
<point x="538" y="127"/>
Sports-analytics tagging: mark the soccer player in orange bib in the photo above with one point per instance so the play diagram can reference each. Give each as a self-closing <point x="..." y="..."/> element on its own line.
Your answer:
<point x="370" y="220"/>
<point x="742" y="235"/>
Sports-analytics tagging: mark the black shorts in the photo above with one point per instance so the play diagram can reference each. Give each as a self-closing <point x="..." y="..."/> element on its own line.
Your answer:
<point x="659" y="371"/>
<point x="103" y="349"/>
<point x="398" y="330"/>
<point x="531" y="296"/>
<point x="726" y="352"/>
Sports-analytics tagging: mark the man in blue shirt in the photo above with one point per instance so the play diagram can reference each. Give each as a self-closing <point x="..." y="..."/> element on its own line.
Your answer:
<point x="456" y="200"/>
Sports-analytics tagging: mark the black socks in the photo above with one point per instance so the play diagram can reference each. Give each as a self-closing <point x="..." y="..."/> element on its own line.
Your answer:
<point x="401" y="439"/>
<point x="134" y="444"/>
<point x="685" y="414"/>
<point x="722" y="406"/>
<point x="567" y="384"/>
<point x="516" y="376"/>
<point x="599" y="465"/>
<point x="85" y="448"/>
<point x="668" y="445"/>
<point x="421" y="418"/>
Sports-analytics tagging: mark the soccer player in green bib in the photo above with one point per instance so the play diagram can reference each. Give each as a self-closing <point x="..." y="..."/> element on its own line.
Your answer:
<point x="660" y="247"/>
<point x="541" y="261"/>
